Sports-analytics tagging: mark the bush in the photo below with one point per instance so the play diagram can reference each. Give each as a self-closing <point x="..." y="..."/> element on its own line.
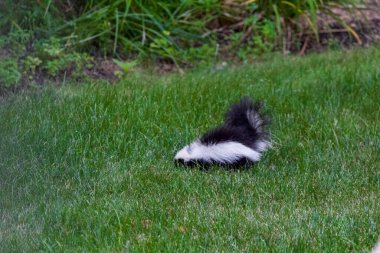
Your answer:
<point x="9" y="73"/>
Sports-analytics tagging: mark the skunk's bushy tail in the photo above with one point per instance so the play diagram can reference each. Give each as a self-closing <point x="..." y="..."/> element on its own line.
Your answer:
<point x="247" y="114"/>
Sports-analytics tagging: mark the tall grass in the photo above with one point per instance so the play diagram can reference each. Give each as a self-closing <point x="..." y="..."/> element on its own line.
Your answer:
<point x="164" y="28"/>
<point x="290" y="11"/>
<point x="139" y="26"/>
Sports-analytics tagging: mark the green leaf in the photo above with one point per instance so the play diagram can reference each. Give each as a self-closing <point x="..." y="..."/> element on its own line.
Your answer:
<point x="125" y="66"/>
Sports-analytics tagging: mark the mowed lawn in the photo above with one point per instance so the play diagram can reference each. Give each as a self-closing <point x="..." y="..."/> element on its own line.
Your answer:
<point x="89" y="167"/>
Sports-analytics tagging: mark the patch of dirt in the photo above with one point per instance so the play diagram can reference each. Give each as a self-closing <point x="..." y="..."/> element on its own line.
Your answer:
<point x="103" y="69"/>
<point x="363" y="19"/>
<point x="3" y="53"/>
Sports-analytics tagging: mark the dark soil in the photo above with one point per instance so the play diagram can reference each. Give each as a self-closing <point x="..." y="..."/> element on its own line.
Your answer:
<point x="363" y="19"/>
<point x="103" y="69"/>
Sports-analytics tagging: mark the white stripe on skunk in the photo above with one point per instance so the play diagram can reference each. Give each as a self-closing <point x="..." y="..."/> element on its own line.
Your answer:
<point x="239" y="141"/>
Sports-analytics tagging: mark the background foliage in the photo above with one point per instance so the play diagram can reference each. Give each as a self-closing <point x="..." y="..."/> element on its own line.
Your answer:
<point x="169" y="29"/>
<point x="61" y="38"/>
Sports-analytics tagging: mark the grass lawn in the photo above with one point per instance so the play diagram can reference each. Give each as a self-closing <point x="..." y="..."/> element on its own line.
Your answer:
<point x="89" y="168"/>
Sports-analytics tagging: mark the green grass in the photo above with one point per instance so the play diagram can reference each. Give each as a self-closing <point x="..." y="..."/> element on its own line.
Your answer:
<point x="89" y="168"/>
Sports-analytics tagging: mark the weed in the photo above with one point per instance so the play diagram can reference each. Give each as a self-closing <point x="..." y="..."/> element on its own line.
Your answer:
<point x="54" y="58"/>
<point x="49" y="55"/>
<point x="16" y="42"/>
<point x="31" y="64"/>
<point x="9" y="73"/>
<point x="125" y="66"/>
<point x="203" y="53"/>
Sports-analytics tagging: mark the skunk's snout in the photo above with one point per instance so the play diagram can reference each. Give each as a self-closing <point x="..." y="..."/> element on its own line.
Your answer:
<point x="179" y="162"/>
<point x="190" y="163"/>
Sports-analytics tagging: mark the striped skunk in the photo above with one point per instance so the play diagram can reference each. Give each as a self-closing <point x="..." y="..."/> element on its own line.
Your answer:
<point x="240" y="141"/>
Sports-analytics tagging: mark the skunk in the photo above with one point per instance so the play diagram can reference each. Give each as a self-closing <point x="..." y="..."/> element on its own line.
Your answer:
<point x="240" y="141"/>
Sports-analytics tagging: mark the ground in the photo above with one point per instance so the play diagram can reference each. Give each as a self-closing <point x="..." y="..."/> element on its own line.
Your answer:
<point x="89" y="167"/>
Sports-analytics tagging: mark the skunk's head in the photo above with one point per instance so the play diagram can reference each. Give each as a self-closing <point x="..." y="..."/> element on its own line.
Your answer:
<point x="191" y="154"/>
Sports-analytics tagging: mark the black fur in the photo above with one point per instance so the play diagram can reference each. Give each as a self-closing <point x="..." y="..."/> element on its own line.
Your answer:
<point x="237" y="127"/>
<point x="229" y="133"/>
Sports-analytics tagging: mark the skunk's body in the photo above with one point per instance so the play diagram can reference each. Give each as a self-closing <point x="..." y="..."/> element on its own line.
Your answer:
<point x="239" y="141"/>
